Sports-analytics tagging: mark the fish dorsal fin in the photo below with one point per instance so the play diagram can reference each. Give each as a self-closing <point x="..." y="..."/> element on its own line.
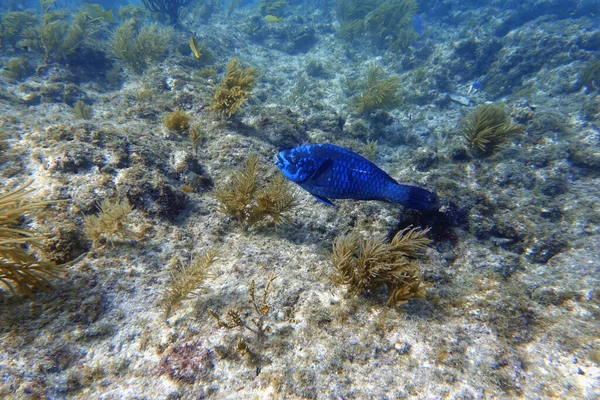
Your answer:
<point x="323" y="172"/>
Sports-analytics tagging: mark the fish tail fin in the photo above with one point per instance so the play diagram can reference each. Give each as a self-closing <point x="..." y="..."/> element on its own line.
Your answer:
<point x="412" y="197"/>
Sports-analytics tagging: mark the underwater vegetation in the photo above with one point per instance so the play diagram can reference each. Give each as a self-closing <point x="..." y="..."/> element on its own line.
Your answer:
<point x="388" y="23"/>
<point x="57" y="36"/>
<point x="376" y="91"/>
<point x="17" y="68"/>
<point x="590" y="76"/>
<point x="178" y="121"/>
<point x="139" y="47"/>
<point x="110" y="223"/>
<point x="170" y="8"/>
<point x="231" y="95"/>
<point x="365" y="264"/>
<point x="488" y="127"/>
<point x="241" y="199"/>
<point x="187" y="279"/>
<point x="20" y="271"/>
<point x="82" y="110"/>
<point x="392" y="19"/>
<point x="13" y="25"/>
<point x="236" y="320"/>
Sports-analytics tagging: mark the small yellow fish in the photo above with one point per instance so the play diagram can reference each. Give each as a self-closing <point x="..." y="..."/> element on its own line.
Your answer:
<point x="193" y="47"/>
<point x="273" y="19"/>
<point x="96" y="11"/>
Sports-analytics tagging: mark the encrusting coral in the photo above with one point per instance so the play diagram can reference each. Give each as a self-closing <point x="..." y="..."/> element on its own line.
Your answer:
<point x="231" y="95"/>
<point x="488" y="127"/>
<point x="365" y="264"/>
<point x="241" y="198"/>
<point x="20" y="271"/>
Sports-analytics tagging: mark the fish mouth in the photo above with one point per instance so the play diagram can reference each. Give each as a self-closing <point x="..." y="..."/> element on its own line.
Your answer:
<point x="278" y="160"/>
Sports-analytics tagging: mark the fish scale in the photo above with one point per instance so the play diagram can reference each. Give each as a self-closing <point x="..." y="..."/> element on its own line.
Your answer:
<point x="331" y="172"/>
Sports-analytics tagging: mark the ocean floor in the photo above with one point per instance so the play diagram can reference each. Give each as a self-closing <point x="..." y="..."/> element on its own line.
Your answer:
<point x="511" y="276"/>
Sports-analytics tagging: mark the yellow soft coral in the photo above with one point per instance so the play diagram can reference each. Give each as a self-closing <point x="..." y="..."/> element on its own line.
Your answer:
<point x="231" y="95"/>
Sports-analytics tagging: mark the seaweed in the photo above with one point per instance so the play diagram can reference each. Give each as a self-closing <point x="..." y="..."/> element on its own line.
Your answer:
<point x="231" y="95"/>
<point x="82" y="110"/>
<point x="261" y="311"/>
<point x="110" y="223"/>
<point x="57" y="38"/>
<point x="138" y="47"/>
<point x="393" y="19"/>
<point x="20" y="271"/>
<point x="365" y="264"/>
<point x="196" y="135"/>
<point x="17" y="68"/>
<point x="376" y="92"/>
<point x="178" y="121"/>
<point x="187" y="279"/>
<point x="241" y="199"/>
<point x="590" y="76"/>
<point x="488" y="127"/>
<point x="171" y="8"/>
<point x="13" y="25"/>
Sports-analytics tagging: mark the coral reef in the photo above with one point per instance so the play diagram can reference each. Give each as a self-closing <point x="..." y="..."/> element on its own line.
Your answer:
<point x="110" y="224"/>
<point x="261" y="311"/>
<point x="365" y="264"/>
<point x="241" y="198"/>
<point x="138" y="47"/>
<point x="188" y="278"/>
<point x="376" y="91"/>
<point x="488" y="127"/>
<point x="186" y="363"/>
<point x="178" y="121"/>
<point x="231" y="95"/>
<point x="170" y="8"/>
<point x="21" y="271"/>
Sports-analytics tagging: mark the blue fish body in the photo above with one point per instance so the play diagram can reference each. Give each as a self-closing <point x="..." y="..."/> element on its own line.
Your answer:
<point x="331" y="172"/>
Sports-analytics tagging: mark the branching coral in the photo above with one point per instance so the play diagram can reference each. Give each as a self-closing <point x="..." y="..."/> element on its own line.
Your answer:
<point x="231" y="95"/>
<point x="241" y="198"/>
<point x="13" y="25"/>
<point x="137" y="48"/>
<point x="178" y="121"/>
<point x="392" y="18"/>
<point x="366" y="264"/>
<point x="590" y="76"/>
<point x="376" y="91"/>
<point x="382" y="20"/>
<point x="235" y="319"/>
<point x="110" y="223"/>
<point x="187" y="279"/>
<point x="20" y="271"/>
<point x="488" y="127"/>
<point x="170" y="8"/>
<point x="56" y="37"/>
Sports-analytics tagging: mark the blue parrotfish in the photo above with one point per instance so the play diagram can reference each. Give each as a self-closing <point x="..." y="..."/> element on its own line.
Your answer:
<point x="331" y="172"/>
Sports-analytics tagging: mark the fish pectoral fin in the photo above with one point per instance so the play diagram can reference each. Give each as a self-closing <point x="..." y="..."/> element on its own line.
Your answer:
<point x="323" y="200"/>
<point x="323" y="168"/>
